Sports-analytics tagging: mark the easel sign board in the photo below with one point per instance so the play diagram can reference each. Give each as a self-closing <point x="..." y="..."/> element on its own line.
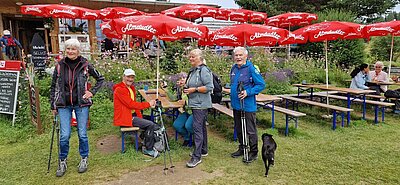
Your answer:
<point x="9" y="79"/>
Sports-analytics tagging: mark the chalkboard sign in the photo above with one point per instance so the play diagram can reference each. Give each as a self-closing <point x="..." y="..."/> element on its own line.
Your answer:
<point x="39" y="53"/>
<point x="8" y="91"/>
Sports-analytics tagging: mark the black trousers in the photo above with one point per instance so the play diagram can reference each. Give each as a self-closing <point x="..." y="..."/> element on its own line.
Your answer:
<point x="251" y="128"/>
<point x="200" y="132"/>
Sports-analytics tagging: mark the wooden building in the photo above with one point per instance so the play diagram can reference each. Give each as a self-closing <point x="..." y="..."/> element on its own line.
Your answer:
<point x="23" y="27"/>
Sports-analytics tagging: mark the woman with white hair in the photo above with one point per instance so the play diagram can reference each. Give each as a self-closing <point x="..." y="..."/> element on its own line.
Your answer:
<point x="379" y="76"/>
<point x="70" y="92"/>
<point x="198" y="88"/>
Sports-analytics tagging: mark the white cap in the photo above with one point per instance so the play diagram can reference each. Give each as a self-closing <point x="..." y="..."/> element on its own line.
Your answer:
<point x="6" y="32"/>
<point x="129" y="72"/>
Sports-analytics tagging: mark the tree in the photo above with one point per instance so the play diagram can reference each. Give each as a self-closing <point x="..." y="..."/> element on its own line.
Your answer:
<point x="367" y="10"/>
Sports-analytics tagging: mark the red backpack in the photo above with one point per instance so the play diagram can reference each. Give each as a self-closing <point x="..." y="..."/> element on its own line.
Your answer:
<point x="11" y="41"/>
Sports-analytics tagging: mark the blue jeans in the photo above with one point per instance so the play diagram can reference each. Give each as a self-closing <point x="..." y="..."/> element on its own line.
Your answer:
<point x="82" y="115"/>
<point x="184" y="125"/>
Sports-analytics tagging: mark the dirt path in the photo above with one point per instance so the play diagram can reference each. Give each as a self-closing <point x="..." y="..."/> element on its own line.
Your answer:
<point x="154" y="175"/>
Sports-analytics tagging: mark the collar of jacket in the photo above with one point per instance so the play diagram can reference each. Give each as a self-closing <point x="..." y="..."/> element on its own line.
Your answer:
<point x="247" y="64"/>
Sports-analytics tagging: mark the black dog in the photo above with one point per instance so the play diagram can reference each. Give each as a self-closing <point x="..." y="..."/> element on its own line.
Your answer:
<point x="268" y="151"/>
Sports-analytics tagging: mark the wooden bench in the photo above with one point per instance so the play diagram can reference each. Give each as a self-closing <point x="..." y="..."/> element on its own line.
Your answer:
<point x="289" y="115"/>
<point x="333" y="107"/>
<point x="379" y="106"/>
<point x="133" y="130"/>
<point x="223" y="109"/>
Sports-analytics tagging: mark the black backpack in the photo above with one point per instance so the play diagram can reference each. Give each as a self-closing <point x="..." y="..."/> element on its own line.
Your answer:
<point x="216" y="95"/>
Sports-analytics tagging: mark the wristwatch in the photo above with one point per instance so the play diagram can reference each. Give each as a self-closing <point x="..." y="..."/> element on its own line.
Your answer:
<point x="196" y="89"/>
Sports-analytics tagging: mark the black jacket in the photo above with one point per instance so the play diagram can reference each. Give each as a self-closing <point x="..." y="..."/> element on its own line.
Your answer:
<point x="60" y="92"/>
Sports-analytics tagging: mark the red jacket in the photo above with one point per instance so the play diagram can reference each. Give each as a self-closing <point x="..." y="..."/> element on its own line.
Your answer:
<point x="123" y="105"/>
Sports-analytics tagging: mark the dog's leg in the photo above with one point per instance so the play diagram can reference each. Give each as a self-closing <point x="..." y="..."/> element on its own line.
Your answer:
<point x="265" y="159"/>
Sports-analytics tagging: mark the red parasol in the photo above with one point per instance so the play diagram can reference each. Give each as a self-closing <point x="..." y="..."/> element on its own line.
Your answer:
<point x="383" y="29"/>
<point x="118" y="12"/>
<point x="159" y="25"/>
<point x="291" y="19"/>
<point x="257" y="17"/>
<point x="191" y="11"/>
<point x="248" y="34"/>
<point x="239" y="15"/>
<point x="108" y="30"/>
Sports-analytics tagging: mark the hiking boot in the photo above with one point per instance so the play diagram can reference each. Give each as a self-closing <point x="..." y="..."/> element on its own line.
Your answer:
<point x="252" y="157"/>
<point x="83" y="165"/>
<point x="151" y="153"/>
<point x="62" y="168"/>
<point x="202" y="155"/>
<point x="237" y="154"/>
<point x="185" y="143"/>
<point x="193" y="163"/>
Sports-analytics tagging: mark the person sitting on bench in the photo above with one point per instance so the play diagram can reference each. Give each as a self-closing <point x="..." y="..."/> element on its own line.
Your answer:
<point x="360" y="77"/>
<point x="125" y="107"/>
<point x="378" y="76"/>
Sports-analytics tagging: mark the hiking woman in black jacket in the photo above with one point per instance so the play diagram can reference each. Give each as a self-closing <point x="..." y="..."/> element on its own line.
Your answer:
<point x="70" y="92"/>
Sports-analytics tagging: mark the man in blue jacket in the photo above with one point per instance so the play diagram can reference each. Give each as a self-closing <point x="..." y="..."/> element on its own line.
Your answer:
<point x="246" y="73"/>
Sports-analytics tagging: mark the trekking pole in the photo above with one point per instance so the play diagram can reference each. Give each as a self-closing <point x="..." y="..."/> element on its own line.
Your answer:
<point x="58" y="142"/>
<point x="244" y="125"/>
<point x="51" y="143"/>
<point x="165" y="140"/>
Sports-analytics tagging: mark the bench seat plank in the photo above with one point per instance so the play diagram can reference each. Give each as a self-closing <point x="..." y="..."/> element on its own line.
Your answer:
<point x="223" y="109"/>
<point x="379" y="103"/>
<point x="341" y="109"/>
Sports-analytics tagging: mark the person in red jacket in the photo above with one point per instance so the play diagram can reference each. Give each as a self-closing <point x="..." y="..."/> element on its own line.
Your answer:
<point x="127" y="110"/>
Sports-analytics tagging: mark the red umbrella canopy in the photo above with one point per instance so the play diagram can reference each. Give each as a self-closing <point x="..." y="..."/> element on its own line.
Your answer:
<point x="35" y="10"/>
<point x="222" y="14"/>
<point x="291" y="19"/>
<point x="90" y="14"/>
<point x="382" y="28"/>
<point x="54" y="10"/>
<point x="118" y="12"/>
<point x="330" y="31"/>
<point x="108" y="30"/>
<point x="206" y="41"/>
<point x="166" y="27"/>
<point x="257" y="17"/>
<point x="239" y="15"/>
<point x="191" y="11"/>
<point x="293" y="39"/>
<point x="248" y="34"/>
<point x="63" y="11"/>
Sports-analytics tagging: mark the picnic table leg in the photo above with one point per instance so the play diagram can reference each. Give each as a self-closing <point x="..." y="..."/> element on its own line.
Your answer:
<point x="383" y="114"/>
<point x="342" y="115"/>
<point x="334" y="120"/>
<point x="364" y="106"/>
<point x="348" y="106"/>
<point x="376" y="114"/>
<point x="273" y="114"/>
<point x="287" y="126"/>
<point x="298" y="92"/>
<point x="312" y="92"/>
<point x="286" y="103"/>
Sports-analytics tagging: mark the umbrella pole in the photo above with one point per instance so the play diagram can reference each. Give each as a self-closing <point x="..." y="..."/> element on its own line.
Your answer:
<point x="127" y="48"/>
<point x="326" y="70"/>
<point x="158" y="65"/>
<point x="391" y="56"/>
<point x="288" y="55"/>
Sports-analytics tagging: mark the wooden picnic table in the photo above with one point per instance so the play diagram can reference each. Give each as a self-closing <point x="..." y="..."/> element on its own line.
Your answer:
<point x="357" y="93"/>
<point x="380" y="83"/>
<point x="165" y="101"/>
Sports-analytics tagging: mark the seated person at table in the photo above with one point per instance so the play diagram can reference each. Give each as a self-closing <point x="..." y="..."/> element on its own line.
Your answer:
<point x="125" y="107"/>
<point x="184" y="123"/>
<point x="360" y="77"/>
<point x="378" y="76"/>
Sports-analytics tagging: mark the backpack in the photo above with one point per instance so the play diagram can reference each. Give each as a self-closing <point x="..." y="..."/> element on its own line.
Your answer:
<point x="392" y="94"/>
<point x="153" y="137"/>
<point x="11" y="42"/>
<point x="216" y="95"/>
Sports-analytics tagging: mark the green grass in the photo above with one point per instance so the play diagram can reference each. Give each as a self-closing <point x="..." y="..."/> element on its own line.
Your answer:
<point x="363" y="153"/>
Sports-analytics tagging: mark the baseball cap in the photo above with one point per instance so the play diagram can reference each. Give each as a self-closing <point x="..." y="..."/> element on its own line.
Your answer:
<point x="6" y="32"/>
<point x="129" y="72"/>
